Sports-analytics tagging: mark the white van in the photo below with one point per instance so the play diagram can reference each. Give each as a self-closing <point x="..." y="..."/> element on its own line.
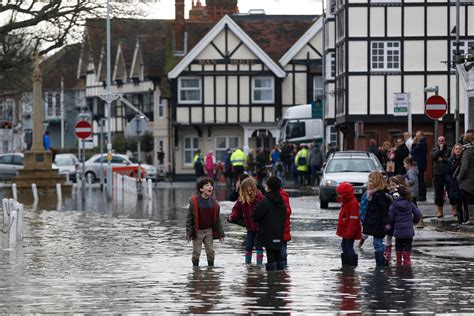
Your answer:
<point x="298" y="126"/>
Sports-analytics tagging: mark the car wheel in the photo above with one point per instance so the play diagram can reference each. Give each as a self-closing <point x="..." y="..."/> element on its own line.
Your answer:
<point x="323" y="203"/>
<point x="92" y="176"/>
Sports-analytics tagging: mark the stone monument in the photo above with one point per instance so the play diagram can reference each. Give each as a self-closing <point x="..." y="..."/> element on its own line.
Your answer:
<point x="38" y="161"/>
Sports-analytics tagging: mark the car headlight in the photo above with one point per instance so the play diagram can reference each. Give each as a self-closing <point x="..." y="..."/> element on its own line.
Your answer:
<point x="330" y="183"/>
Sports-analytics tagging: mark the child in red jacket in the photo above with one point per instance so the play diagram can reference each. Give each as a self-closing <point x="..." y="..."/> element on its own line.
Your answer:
<point x="348" y="225"/>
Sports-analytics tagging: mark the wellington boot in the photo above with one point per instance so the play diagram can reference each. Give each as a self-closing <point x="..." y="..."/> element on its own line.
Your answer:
<point x="248" y="257"/>
<point x="454" y="210"/>
<point x="353" y="260"/>
<point x="399" y="257"/>
<point x="407" y="258"/>
<point x="439" y="211"/>
<point x="380" y="259"/>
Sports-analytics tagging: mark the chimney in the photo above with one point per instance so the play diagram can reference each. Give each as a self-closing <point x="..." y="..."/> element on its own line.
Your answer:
<point x="179" y="26"/>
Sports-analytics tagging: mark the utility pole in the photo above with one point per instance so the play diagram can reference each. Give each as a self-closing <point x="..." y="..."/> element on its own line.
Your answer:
<point x="457" y="61"/>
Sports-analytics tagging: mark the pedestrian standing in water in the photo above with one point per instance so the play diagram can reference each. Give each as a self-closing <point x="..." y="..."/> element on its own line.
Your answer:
<point x="270" y="215"/>
<point x="376" y="219"/>
<point x="249" y="197"/>
<point x="363" y="206"/>
<point x="348" y="225"/>
<point x="454" y="164"/>
<point x="403" y="214"/>
<point x="203" y="223"/>
<point x="287" y="231"/>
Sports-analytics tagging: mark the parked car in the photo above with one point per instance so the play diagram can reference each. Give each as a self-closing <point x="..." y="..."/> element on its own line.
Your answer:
<point x="93" y="166"/>
<point x="351" y="166"/>
<point x="66" y="164"/>
<point x="10" y="164"/>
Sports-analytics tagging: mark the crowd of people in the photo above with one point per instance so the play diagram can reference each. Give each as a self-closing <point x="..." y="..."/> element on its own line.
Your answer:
<point x="387" y="209"/>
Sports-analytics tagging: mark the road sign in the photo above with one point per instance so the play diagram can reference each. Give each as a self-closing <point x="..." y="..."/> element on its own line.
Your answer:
<point x="83" y="129"/>
<point x="436" y="107"/>
<point x="137" y="126"/>
<point x="400" y="104"/>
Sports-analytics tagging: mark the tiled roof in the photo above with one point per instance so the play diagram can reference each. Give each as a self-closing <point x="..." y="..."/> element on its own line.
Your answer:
<point x="275" y="34"/>
<point x="62" y="64"/>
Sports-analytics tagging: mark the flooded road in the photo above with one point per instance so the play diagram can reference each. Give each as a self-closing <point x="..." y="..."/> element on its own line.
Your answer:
<point x="127" y="258"/>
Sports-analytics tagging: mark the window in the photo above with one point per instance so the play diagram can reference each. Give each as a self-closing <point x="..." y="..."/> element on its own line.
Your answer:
<point x="262" y="90"/>
<point x="18" y="160"/>
<point x="465" y="47"/>
<point x="191" y="145"/>
<point x="330" y="66"/>
<point x="341" y="56"/>
<point x="224" y="142"/>
<point x="189" y="90"/>
<point x="318" y="88"/>
<point x="160" y="108"/>
<point x="385" y="55"/>
<point x="53" y="105"/>
<point x="331" y="135"/>
<point x="341" y="25"/>
<point x="6" y="110"/>
<point x="295" y="130"/>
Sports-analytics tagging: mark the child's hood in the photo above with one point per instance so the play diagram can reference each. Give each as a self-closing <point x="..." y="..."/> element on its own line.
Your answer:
<point x="345" y="192"/>
<point x="402" y="204"/>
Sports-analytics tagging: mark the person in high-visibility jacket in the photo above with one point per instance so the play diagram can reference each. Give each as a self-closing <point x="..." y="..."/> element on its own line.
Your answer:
<point x="238" y="160"/>
<point x="302" y="163"/>
<point x="198" y="164"/>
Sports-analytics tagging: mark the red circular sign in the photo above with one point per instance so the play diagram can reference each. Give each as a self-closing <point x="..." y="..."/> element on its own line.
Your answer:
<point x="83" y="129"/>
<point x="435" y="107"/>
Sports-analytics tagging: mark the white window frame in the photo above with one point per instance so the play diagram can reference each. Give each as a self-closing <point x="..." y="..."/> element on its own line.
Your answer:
<point x="53" y="110"/>
<point x="180" y="88"/>
<point x="272" y="90"/>
<point x="318" y="87"/>
<point x="192" y="149"/>
<point x="386" y="51"/>
<point x="227" y="143"/>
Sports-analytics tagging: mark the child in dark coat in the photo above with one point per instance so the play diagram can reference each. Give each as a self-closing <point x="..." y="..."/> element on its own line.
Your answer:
<point x="270" y="215"/>
<point x="203" y="223"/>
<point x="403" y="214"/>
<point x="348" y="225"/>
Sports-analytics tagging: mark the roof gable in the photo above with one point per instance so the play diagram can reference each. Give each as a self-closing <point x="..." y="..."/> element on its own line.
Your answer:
<point x="212" y="34"/>
<point x="304" y="40"/>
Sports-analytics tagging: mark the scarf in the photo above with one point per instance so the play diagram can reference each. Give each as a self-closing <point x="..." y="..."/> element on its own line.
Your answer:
<point x="370" y="193"/>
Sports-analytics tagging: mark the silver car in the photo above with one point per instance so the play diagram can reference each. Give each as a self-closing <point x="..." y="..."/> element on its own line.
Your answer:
<point x="10" y="164"/>
<point x="66" y="165"/>
<point x="93" y="166"/>
<point x="353" y="167"/>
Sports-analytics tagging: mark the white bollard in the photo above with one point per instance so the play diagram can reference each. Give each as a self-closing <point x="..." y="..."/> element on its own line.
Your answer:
<point x="35" y="192"/>
<point x="13" y="227"/>
<point x="6" y="211"/>
<point x="14" y="191"/>
<point x="59" y="193"/>
<point x="20" y="221"/>
<point x="150" y="189"/>
<point x="89" y="180"/>
<point x="67" y="178"/>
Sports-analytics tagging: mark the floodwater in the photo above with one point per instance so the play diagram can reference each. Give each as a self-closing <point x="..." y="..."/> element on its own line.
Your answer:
<point x="93" y="257"/>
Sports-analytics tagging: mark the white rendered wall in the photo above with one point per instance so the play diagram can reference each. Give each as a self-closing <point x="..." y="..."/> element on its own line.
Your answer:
<point x="414" y="56"/>
<point x="358" y="56"/>
<point x="357" y="95"/>
<point x="357" y="21"/>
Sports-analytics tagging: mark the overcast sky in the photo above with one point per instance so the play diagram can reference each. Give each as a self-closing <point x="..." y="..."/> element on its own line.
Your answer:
<point x="165" y="8"/>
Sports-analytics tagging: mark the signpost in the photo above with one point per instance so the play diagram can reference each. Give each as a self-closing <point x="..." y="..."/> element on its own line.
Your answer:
<point x="435" y="107"/>
<point x="401" y="107"/>
<point x="83" y="130"/>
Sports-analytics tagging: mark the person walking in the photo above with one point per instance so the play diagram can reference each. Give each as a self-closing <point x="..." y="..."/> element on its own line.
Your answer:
<point x="348" y="224"/>
<point x="251" y="163"/>
<point x="238" y="160"/>
<point x="244" y="207"/>
<point x="376" y="219"/>
<point x="271" y="215"/>
<point x="419" y="152"/>
<point x="454" y="194"/>
<point x="203" y="223"/>
<point x="261" y="166"/>
<point x="402" y="215"/>
<point x="210" y="165"/>
<point x="465" y="178"/>
<point x="228" y="171"/>
<point x="302" y="164"/>
<point x="198" y="165"/>
<point x="275" y="159"/>
<point x="315" y="162"/>
<point x="440" y="155"/>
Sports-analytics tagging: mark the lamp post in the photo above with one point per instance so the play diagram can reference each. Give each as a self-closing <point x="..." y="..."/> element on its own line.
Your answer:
<point x="456" y="111"/>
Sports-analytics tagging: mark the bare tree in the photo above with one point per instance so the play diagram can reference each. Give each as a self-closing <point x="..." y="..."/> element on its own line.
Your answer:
<point x="29" y="27"/>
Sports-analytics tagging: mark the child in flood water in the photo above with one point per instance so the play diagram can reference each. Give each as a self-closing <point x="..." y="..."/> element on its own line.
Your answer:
<point x="403" y="214"/>
<point x="203" y="223"/>
<point x="249" y="197"/>
<point x="348" y="225"/>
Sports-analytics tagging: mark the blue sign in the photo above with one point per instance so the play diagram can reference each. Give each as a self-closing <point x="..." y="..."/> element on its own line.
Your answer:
<point x="317" y="107"/>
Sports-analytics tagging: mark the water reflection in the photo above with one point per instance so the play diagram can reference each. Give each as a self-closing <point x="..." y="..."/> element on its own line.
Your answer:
<point x="350" y="290"/>
<point x="205" y="288"/>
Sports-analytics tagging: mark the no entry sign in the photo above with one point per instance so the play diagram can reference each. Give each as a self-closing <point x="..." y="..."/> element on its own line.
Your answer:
<point x="436" y="107"/>
<point x="83" y="129"/>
